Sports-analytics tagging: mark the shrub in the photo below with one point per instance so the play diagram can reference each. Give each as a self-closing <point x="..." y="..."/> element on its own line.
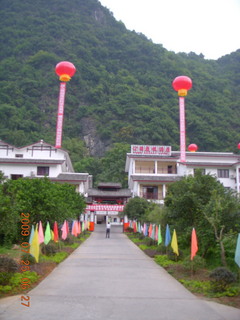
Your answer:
<point x="172" y="256"/>
<point x="16" y="279"/>
<point x="8" y="264"/>
<point x="58" y="257"/>
<point x="163" y="260"/>
<point x="5" y="277"/>
<point x="140" y="236"/>
<point x="196" y="264"/>
<point x="221" y="278"/>
<point x="69" y="240"/>
<point x="129" y="229"/>
<point x="28" y="257"/>
<point x="149" y="241"/>
<point x="161" y="249"/>
<point x="50" y="249"/>
<point x="5" y="289"/>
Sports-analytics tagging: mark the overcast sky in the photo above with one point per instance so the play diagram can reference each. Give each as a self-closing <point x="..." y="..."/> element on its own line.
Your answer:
<point x="210" y="27"/>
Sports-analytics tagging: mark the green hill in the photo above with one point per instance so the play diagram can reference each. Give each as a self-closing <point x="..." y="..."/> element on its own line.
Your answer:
<point x="121" y="92"/>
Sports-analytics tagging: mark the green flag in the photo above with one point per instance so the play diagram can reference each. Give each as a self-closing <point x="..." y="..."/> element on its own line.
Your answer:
<point x="159" y="235"/>
<point x="237" y="252"/>
<point x="47" y="235"/>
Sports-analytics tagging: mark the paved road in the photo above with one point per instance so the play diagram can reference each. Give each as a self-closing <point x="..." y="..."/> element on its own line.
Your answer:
<point x="112" y="279"/>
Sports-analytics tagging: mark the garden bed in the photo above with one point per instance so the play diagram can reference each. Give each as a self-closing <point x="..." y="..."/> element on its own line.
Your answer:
<point x="41" y="269"/>
<point x="198" y="282"/>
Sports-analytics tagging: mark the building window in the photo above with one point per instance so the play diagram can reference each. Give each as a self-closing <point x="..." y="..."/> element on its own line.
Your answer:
<point x="43" y="171"/>
<point x="16" y="176"/>
<point x="18" y="155"/>
<point x="223" y="173"/>
<point x="150" y="193"/>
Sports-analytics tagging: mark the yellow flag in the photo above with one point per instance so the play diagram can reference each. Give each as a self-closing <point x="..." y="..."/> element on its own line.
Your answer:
<point x="34" y="248"/>
<point x="174" y="243"/>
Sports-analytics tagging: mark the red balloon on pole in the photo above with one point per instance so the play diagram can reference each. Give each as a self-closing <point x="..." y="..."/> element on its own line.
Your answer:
<point x="192" y="147"/>
<point x="65" y="70"/>
<point x="182" y="84"/>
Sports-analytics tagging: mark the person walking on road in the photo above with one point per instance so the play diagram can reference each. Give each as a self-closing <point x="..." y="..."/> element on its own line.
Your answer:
<point x="108" y="229"/>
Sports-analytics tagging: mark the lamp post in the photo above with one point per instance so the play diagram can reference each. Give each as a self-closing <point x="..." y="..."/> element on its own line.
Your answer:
<point x="182" y="84"/>
<point x="65" y="70"/>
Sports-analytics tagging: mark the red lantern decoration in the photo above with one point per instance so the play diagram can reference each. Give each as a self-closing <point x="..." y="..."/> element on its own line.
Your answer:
<point x="182" y="84"/>
<point x="192" y="147"/>
<point x="65" y="70"/>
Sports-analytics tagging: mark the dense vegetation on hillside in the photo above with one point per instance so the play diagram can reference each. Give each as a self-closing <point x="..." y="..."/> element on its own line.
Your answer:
<point x="122" y="87"/>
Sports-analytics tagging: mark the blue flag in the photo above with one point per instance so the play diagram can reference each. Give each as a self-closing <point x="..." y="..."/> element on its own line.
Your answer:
<point x="237" y="252"/>
<point x="167" y="236"/>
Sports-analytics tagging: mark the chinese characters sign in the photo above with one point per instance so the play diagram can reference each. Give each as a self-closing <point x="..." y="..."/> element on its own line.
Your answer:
<point x="107" y="207"/>
<point x="148" y="150"/>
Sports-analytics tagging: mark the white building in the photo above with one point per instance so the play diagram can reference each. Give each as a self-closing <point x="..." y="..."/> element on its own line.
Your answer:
<point x="152" y="168"/>
<point x="38" y="160"/>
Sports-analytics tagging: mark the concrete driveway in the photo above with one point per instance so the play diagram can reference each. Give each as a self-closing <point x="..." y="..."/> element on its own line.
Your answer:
<point x="112" y="279"/>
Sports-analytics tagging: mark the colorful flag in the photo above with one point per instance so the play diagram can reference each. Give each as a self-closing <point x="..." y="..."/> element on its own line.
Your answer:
<point x="194" y="245"/>
<point x="167" y="236"/>
<point x="237" y="252"/>
<point x="47" y="235"/>
<point x="64" y="230"/>
<point x="52" y="234"/>
<point x="153" y="232"/>
<point x="55" y="232"/>
<point x="40" y="233"/>
<point x="150" y="230"/>
<point x="34" y="248"/>
<point x="31" y="235"/>
<point x="159" y="235"/>
<point x="139" y="227"/>
<point x="75" y="228"/>
<point x="144" y="229"/>
<point x="174" y="243"/>
<point x="156" y="233"/>
<point x="83" y="226"/>
<point x="135" y="227"/>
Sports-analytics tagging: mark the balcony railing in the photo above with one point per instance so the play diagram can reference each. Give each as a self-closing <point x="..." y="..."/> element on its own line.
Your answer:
<point x="152" y="170"/>
<point x="150" y="196"/>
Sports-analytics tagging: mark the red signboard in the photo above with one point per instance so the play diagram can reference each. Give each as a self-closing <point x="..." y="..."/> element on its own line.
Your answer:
<point x="149" y="150"/>
<point x="102" y="207"/>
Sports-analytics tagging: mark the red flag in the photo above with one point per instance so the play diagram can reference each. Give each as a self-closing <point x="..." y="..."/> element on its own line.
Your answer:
<point x="156" y="233"/>
<point x="194" y="245"/>
<point x="75" y="228"/>
<point x="150" y="230"/>
<point x="135" y="227"/>
<point x="55" y="231"/>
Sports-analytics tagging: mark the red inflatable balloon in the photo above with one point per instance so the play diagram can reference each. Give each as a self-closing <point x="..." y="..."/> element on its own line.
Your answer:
<point x="192" y="147"/>
<point x="65" y="70"/>
<point x="182" y="84"/>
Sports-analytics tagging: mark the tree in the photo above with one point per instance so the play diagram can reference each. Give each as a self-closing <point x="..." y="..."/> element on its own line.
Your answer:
<point x="136" y="208"/>
<point x="217" y="211"/>
<point x="196" y="201"/>
<point x="42" y="199"/>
